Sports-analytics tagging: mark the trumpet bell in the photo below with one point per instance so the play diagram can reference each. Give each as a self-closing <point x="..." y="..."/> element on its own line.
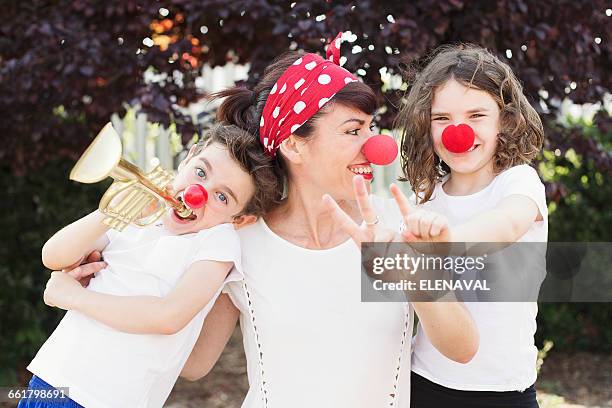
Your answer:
<point x="100" y="158"/>
<point x="130" y="197"/>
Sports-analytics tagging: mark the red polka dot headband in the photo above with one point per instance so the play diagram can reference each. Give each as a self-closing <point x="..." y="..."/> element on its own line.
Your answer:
<point x="300" y="92"/>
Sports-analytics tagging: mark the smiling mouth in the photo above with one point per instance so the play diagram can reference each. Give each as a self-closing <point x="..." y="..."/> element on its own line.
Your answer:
<point x="471" y="149"/>
<point x="362" y="169"/>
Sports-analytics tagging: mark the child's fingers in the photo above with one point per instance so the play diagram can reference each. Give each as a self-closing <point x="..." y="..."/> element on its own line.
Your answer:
<point x="87" y="269"/>
<point x="412" y="222"/>
<point x="438" y="225"/>
<point x="425" y="222"/>
<point x="85" y="281"/>
<point x="74" y="270"/>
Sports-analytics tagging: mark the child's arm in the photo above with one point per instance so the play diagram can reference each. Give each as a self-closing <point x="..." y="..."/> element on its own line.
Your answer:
<point x="75" y="241"/>
<point x="507" y="222"/>
<point x="523" y="202"/>
<point x="142" y="314"/>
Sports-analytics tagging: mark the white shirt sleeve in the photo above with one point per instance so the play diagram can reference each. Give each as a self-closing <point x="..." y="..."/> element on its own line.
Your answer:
<point x="524" y="180"/>
<point x="220" y="243"/>
<point x="235" y="291"/>
<point x="111" y="234"/>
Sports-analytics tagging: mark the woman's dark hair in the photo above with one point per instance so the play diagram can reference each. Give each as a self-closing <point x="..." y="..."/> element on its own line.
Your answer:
<point x="247" y="152"/>
<point x="243" y="107"/>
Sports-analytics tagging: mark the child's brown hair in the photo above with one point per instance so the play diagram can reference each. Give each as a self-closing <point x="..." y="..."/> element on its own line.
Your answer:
<point x="246" y="150"/>
<point x="521" y="134"/>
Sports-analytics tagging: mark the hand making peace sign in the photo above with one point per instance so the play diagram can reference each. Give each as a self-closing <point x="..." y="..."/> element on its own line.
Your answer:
<point x="419" y="225"/>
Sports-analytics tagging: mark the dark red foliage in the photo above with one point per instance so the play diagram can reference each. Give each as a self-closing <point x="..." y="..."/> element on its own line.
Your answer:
<point x="82" y="56"/>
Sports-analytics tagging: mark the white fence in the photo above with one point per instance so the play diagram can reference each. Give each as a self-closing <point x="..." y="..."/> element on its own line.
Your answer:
<point x="144" y="140"/>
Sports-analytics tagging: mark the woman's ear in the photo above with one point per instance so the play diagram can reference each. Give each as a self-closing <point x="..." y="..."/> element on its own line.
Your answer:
<point x="244" y="220"/>
<point x="189" y="156"/>
<point x="291" y="149"/>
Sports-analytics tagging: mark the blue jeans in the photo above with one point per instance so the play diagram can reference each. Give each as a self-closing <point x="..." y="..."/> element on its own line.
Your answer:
<point x="38" y="384"/>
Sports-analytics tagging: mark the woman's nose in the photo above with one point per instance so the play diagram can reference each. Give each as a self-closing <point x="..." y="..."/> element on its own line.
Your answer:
<point x="380" y="149"/>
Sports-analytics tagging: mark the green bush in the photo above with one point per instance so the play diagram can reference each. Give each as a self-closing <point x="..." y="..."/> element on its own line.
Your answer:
<point x="579" y="210"/>
<point x="575" y="326"/>
<point x="34" y="207"/>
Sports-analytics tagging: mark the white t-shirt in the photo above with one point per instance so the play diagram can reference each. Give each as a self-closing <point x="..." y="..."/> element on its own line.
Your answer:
<point x="309" y="340"/>
<point x="106" y="368"/>
<point x="506" y="358"/>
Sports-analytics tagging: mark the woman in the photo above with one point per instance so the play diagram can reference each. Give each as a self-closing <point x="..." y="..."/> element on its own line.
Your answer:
<point x="309" y="340"/>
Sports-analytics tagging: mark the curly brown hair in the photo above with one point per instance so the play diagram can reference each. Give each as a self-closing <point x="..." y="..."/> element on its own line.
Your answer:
<point x="521" y="133"/>
<point x="245" y="149"/>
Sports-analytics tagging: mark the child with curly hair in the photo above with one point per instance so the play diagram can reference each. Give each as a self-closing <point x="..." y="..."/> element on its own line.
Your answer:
<point x="484" y="191"/>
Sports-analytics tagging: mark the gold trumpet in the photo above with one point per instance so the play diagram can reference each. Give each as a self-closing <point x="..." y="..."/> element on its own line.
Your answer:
<point x="139" y="190"/>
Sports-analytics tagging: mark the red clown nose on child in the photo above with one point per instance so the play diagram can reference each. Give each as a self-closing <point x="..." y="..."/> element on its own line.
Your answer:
<point x="195" y="196"/>
<point x="458" y="139"/>
<point x="302" y="90"/>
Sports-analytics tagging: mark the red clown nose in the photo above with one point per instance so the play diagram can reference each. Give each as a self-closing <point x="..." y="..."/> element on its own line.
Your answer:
<point x="195" y="196"/>
<point x="380" y="150"/>
<point x="458" y="139"/>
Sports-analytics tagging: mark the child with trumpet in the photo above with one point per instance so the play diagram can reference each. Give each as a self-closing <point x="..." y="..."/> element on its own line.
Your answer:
<point x="126" y="336"/>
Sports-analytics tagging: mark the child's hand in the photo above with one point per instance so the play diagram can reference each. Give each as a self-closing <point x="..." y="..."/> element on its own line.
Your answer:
<point x="425" y="226"/>
<point x="419" y="224"/>
<point x="62" y="291"/>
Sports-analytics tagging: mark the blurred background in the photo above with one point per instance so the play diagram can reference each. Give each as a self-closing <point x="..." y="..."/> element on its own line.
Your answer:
<point x="69" y="67"/>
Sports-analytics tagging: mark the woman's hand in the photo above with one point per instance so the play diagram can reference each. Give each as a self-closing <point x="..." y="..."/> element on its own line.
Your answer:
<point x="62" y="291"/>
<point x="83" y="271"/>
<point x="420" y="225"/>
<point x="371" y="230"/>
